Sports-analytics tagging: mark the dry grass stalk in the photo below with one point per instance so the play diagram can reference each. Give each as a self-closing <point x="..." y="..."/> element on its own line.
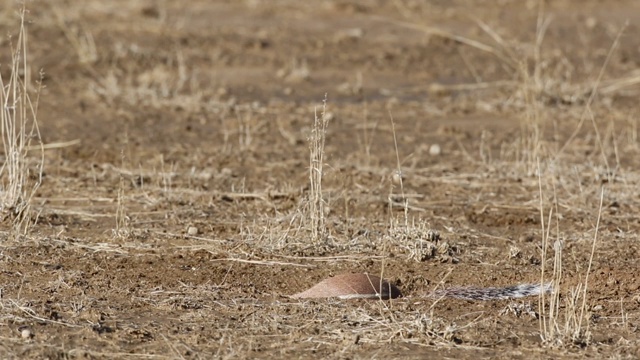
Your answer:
<point x="586" y="112"/>
<point x="78" y="36"/>
<point x="578" y="333"/>
<point x="123" y="222"/>
<point x="19" y="128"/>
<point x="548" y="321"/>
<point x="534" y="84"/>
<point x="398" y="177"/>
<point x="573" y="330"/>
<point x="317" y="206"/>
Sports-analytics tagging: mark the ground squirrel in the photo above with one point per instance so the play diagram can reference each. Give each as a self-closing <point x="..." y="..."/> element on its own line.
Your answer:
<point x="365" y="286"/>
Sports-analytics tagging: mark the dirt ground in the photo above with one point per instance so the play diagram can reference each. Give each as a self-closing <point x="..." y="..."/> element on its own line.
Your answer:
<point x="174" y="217"/>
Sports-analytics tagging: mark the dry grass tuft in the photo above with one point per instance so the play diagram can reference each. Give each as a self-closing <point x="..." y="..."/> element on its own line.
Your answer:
<point x="317" y="207"/>
<point x="115" y="256"/>
<point x="572" y="326"/>
<point x="78" y="36"/>
<point x="20" y="174"/>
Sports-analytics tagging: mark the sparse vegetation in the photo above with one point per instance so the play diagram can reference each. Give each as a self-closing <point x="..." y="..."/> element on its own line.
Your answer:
<point x="21" y="172"/>
<point x="316" y="202"/>
<point x="192" y="183"/>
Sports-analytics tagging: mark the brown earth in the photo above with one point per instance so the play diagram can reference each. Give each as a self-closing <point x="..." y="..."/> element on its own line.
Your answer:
<point x="165" y="116"/>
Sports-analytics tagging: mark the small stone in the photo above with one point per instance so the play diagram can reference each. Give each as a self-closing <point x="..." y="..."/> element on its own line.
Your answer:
<point x="435" y="150"/>
<point x="349" y="34"/>
<point x="26" y="333"/>
<point x="397" y="178"/>
<point x="192" y="230"/>
<point x="326" y="210"/>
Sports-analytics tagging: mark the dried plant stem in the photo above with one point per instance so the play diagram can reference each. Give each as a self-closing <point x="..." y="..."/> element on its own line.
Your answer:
<point x="316" y="161"/>
<point x="586" y="276"/>
<point x="19" y="127"/>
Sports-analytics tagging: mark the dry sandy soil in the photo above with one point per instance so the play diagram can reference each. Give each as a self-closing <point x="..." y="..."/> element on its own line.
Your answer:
<point x="174" y="216"/>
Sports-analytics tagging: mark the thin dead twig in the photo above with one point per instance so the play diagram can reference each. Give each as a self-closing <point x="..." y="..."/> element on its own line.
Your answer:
<point x="30" y="313"/>
<point x="429" y="30"/>
<point x="185" y="236"/>
<point x="261" y="262"/>
<point x="51" y="146"/>
<point x="332" y="258"/>
<point x="253" y="196"/>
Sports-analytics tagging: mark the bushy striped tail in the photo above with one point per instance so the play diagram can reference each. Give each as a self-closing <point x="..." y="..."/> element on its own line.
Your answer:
<point x="493" y="293"/>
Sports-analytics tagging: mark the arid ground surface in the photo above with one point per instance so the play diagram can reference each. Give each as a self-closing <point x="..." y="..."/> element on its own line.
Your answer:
<point x="174" y="216"/>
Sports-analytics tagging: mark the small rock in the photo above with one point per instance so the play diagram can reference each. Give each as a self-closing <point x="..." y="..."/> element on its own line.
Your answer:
<point x="397" y="177"/>
<point x="349" y="35"/>
<point x="435" y="150"/>
<point x="26" y="333"/>
<point x="192" y="230"/>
